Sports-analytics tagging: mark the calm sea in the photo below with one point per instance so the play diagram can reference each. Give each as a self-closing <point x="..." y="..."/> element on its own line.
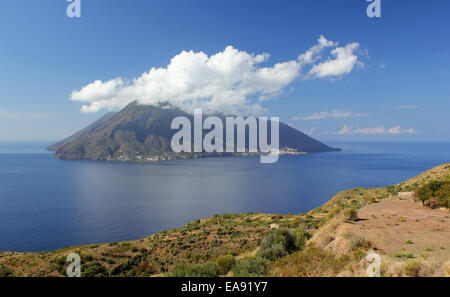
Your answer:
<point x="46" y="203"/>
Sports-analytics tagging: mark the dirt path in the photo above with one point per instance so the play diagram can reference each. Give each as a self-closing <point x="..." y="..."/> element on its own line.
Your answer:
<point x="403" y="226"/>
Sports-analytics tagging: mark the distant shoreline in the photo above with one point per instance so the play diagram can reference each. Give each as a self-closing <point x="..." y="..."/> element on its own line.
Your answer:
<point x="183" y="156"/>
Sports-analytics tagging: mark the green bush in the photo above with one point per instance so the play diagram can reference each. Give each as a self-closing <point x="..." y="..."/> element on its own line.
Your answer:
<point x="209" y="269"/>
<point x="351" y="214"/>
<point x="86" y="258"/>
<point x="333" y="212"/>
<point x="361" y="243"/>
<point x="435" y="191"/>
<point x="251" y="267"/>
<point x="301" y="237"/>
<point x="225" y="263"/>
<point x="279" y="236"/>
<point x="412" y="269"/>
<point x="127" y="268"/>
<point x="392" y="190"/>
<point x="5" y="272"/>
<point x="93" y="269"/>
<point x="281" y="242"/>
<point x="227" y="216"/>
<point x="443" y="195"/>
<point x="273" y="252"/>
<point x="358" y="255"/>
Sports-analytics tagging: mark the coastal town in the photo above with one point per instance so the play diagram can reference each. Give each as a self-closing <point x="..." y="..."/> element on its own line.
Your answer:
<point x="166" y="156"/>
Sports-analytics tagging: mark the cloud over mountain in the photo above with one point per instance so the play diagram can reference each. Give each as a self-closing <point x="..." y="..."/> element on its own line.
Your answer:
<point x="231" y="81"/>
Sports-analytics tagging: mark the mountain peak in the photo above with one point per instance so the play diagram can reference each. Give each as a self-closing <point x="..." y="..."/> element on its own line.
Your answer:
<point x="143" y="132"/>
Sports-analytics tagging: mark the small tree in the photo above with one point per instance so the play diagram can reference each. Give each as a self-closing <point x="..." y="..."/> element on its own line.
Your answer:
<point x="437" y="192"/>
<point x="443" y="195"/>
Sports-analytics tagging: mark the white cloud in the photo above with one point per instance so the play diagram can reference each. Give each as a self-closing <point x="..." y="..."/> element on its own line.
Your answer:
<point x="409" y="107"/>
<point x="356" y="130"/>
<point x="344" y="62"/>
<point x="383" y="66"/>
<point x="310" y="131"/>
<point x="231" y="81"/>
<point x="330" y="114"/>
<point x="373" y="131"/>
<point x="25" y="115"/>
<point x="312" y="54"/>
<point x="398" y="130"/>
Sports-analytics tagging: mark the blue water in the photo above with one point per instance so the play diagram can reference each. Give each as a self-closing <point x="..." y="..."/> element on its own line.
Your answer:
<point x="47" y="203"/>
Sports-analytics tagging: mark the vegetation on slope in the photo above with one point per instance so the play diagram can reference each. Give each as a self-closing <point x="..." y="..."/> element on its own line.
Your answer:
<point x="244" y="244"/>
<point x="435" y="193"/>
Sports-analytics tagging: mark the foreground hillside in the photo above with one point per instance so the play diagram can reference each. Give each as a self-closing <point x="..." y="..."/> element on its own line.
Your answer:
<point x="332" y="240"/>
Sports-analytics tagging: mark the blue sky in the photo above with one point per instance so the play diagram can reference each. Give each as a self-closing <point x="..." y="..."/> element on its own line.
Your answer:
<point x="402" y="78"/>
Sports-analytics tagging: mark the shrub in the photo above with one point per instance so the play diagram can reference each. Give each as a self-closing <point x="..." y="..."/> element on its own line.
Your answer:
<point x="273" y="252"/>
<point x="86" y="258"/>
<point x="310" y="262"/>
<point x="93" y="269"/>
<point x="281" y="242"/>
<point x="408" y="256"/>
<point x="443" y="195"/>
<point x="60" y="263"/>
<point x="351" y="214"/>
<point x="209" y="269"/>
<point x="361" y="243"/>
<point x="392" y="190"/>
<point x="301" y="237"/>
<point x="358" y="254"/>
<point x="434" y="192"/>
<point x="110" y="261"/>
<point x="225" y="263"/>
<point x="146" y="269"/>
<point x="5" y="272"/>
<point x="251" y="267"/>
<point x="412" y="269"/>
<point x="333" y="212"/>
<point x="277" y="217"/>
<point x="227" y="216"/>
<point x="277" y="243"/>
<point x="126" y="268"/>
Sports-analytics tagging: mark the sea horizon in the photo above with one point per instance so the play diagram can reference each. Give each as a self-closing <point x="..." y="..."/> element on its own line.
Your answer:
<point x="47" y="203"/>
